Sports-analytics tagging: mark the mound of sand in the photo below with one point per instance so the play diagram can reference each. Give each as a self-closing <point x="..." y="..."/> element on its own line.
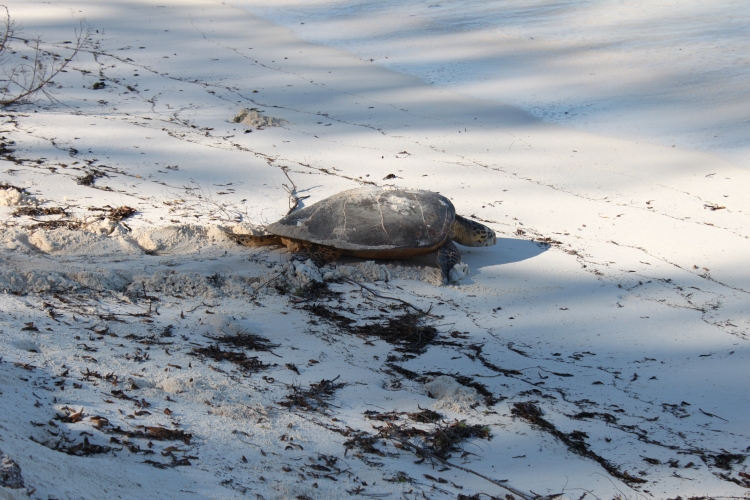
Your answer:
<point x="253" y="119"/>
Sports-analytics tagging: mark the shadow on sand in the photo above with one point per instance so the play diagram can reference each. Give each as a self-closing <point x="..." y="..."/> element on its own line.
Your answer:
<point x="506" y="251"/>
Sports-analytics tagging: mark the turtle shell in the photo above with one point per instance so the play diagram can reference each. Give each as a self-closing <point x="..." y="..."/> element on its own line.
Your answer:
<point x="372" y="219"/>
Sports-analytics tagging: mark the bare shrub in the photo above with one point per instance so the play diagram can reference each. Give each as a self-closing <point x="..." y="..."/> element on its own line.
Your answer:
<point x="30" y="70"/>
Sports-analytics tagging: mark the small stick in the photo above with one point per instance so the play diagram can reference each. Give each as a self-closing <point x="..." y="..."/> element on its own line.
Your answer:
<point x="418" y="449"/>
<point x="426" y="313"/>
<point x="292" y="192"/>
<point x="270" y="280"/>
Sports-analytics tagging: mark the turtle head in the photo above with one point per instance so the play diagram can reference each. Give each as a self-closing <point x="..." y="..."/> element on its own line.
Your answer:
<point x="472" y="234"/>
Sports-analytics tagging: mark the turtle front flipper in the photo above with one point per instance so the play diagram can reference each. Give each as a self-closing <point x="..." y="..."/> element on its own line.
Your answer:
<point x="252" y="240"/>
<point x="319" y="254"/>
<point x="447" y="257"/>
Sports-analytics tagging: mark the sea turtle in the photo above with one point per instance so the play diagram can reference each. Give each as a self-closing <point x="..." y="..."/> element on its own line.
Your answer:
<point x="376" y="223"/>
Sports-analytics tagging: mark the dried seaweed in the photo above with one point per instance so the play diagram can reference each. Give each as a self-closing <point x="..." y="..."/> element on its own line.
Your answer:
<point x="446" y="433"/>
<point x="314" y="398"/>
<point x="405" y="372"/>
<point x="389" y="416"/>
<point x="439" y="440"/>
<point x="90" y="178"/>
<point x="245" y="362"/>
<point x="574" y="440"/>
<point x="406" y="331"/>
<point x="364" y="442"/>
<point x="245" y="340"/>
<point x="176" y="462"/>
<point x="69" y="415"/>
<point x="725" y="460"/>
<point x="120" y="213"/>
<point x="115" y="214"/>
<point x="607" y="417"/>
<point x="477" y="348"/>
<point x="71" y="224"/>
<point x="30" y="211"/>
<point x="82" y="449"/>
<point x="5" y="185"/>
<point x="328" y="314"/>
<point x="153" y="432"/>
<point x="426" y="416"/>
<point x="445" y="438"/>
<point x="315" y="290"/>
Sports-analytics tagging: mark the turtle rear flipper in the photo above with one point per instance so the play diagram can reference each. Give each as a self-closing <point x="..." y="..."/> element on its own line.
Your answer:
<point x="447" y="257"/>
<point x="252" y="240"/>
<point x="319" y="254"/>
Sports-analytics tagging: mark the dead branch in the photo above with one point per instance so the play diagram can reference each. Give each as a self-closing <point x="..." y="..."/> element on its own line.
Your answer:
<point x="25" y="80"/>
<point x="363" y="287"/>
<point x="420" y="451"/>
<point x="294" y="198"/>
<point x="9" y="30"/>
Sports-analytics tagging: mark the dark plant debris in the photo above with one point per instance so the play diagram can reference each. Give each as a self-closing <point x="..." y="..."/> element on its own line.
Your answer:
<point x="478" y="355"/>
<point x="38" y="211"/>
<point x="81" y="449"/>
<point x="314" y="398"/>
<point x="384" y="416"/>
<point x="329" y="315"/>
<point x="363" y="442"/>
<point x="69" y="415"/>
<point x="176" y="462"/>
<point x="120" y="213"/>
<point x="607" y="417"/>
<point x="245" y="340"/>
<point x="5" y="185"/>
<point x="424" y="416"/>
<point x="115" y="214"/>
<point x="245" y="362"/>
<point x="485" y="496"/>
<point x="405" y="331"/>
<point x="439" y="440"/>
<point x="90" y="178"/>
<point x="65" y="444"/>
<point x="725" y="460"/>
<point x="152" y="432"/>
<point x="445" y="437"/>
<point x="575" y="441"/>
<point x="315" y="290"/>
<point x="66" y="223"/>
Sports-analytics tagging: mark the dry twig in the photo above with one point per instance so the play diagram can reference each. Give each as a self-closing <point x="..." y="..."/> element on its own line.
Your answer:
<point x="294" y="198"/>
<point x="25" y="79"/>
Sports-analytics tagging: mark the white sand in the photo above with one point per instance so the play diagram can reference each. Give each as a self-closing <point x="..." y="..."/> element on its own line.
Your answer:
<point x="639" y="315"/>
<point x="664" y="72"/>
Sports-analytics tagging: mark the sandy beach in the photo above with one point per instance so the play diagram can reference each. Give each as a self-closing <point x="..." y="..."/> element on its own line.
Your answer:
<point x="596" y="351"/>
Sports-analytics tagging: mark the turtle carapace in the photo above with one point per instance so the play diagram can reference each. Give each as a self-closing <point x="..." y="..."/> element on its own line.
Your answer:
<point x="376" y="223"/>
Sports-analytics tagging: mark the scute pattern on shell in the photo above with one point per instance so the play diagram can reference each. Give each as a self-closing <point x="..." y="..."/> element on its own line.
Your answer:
<point x="372" y="219"/>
